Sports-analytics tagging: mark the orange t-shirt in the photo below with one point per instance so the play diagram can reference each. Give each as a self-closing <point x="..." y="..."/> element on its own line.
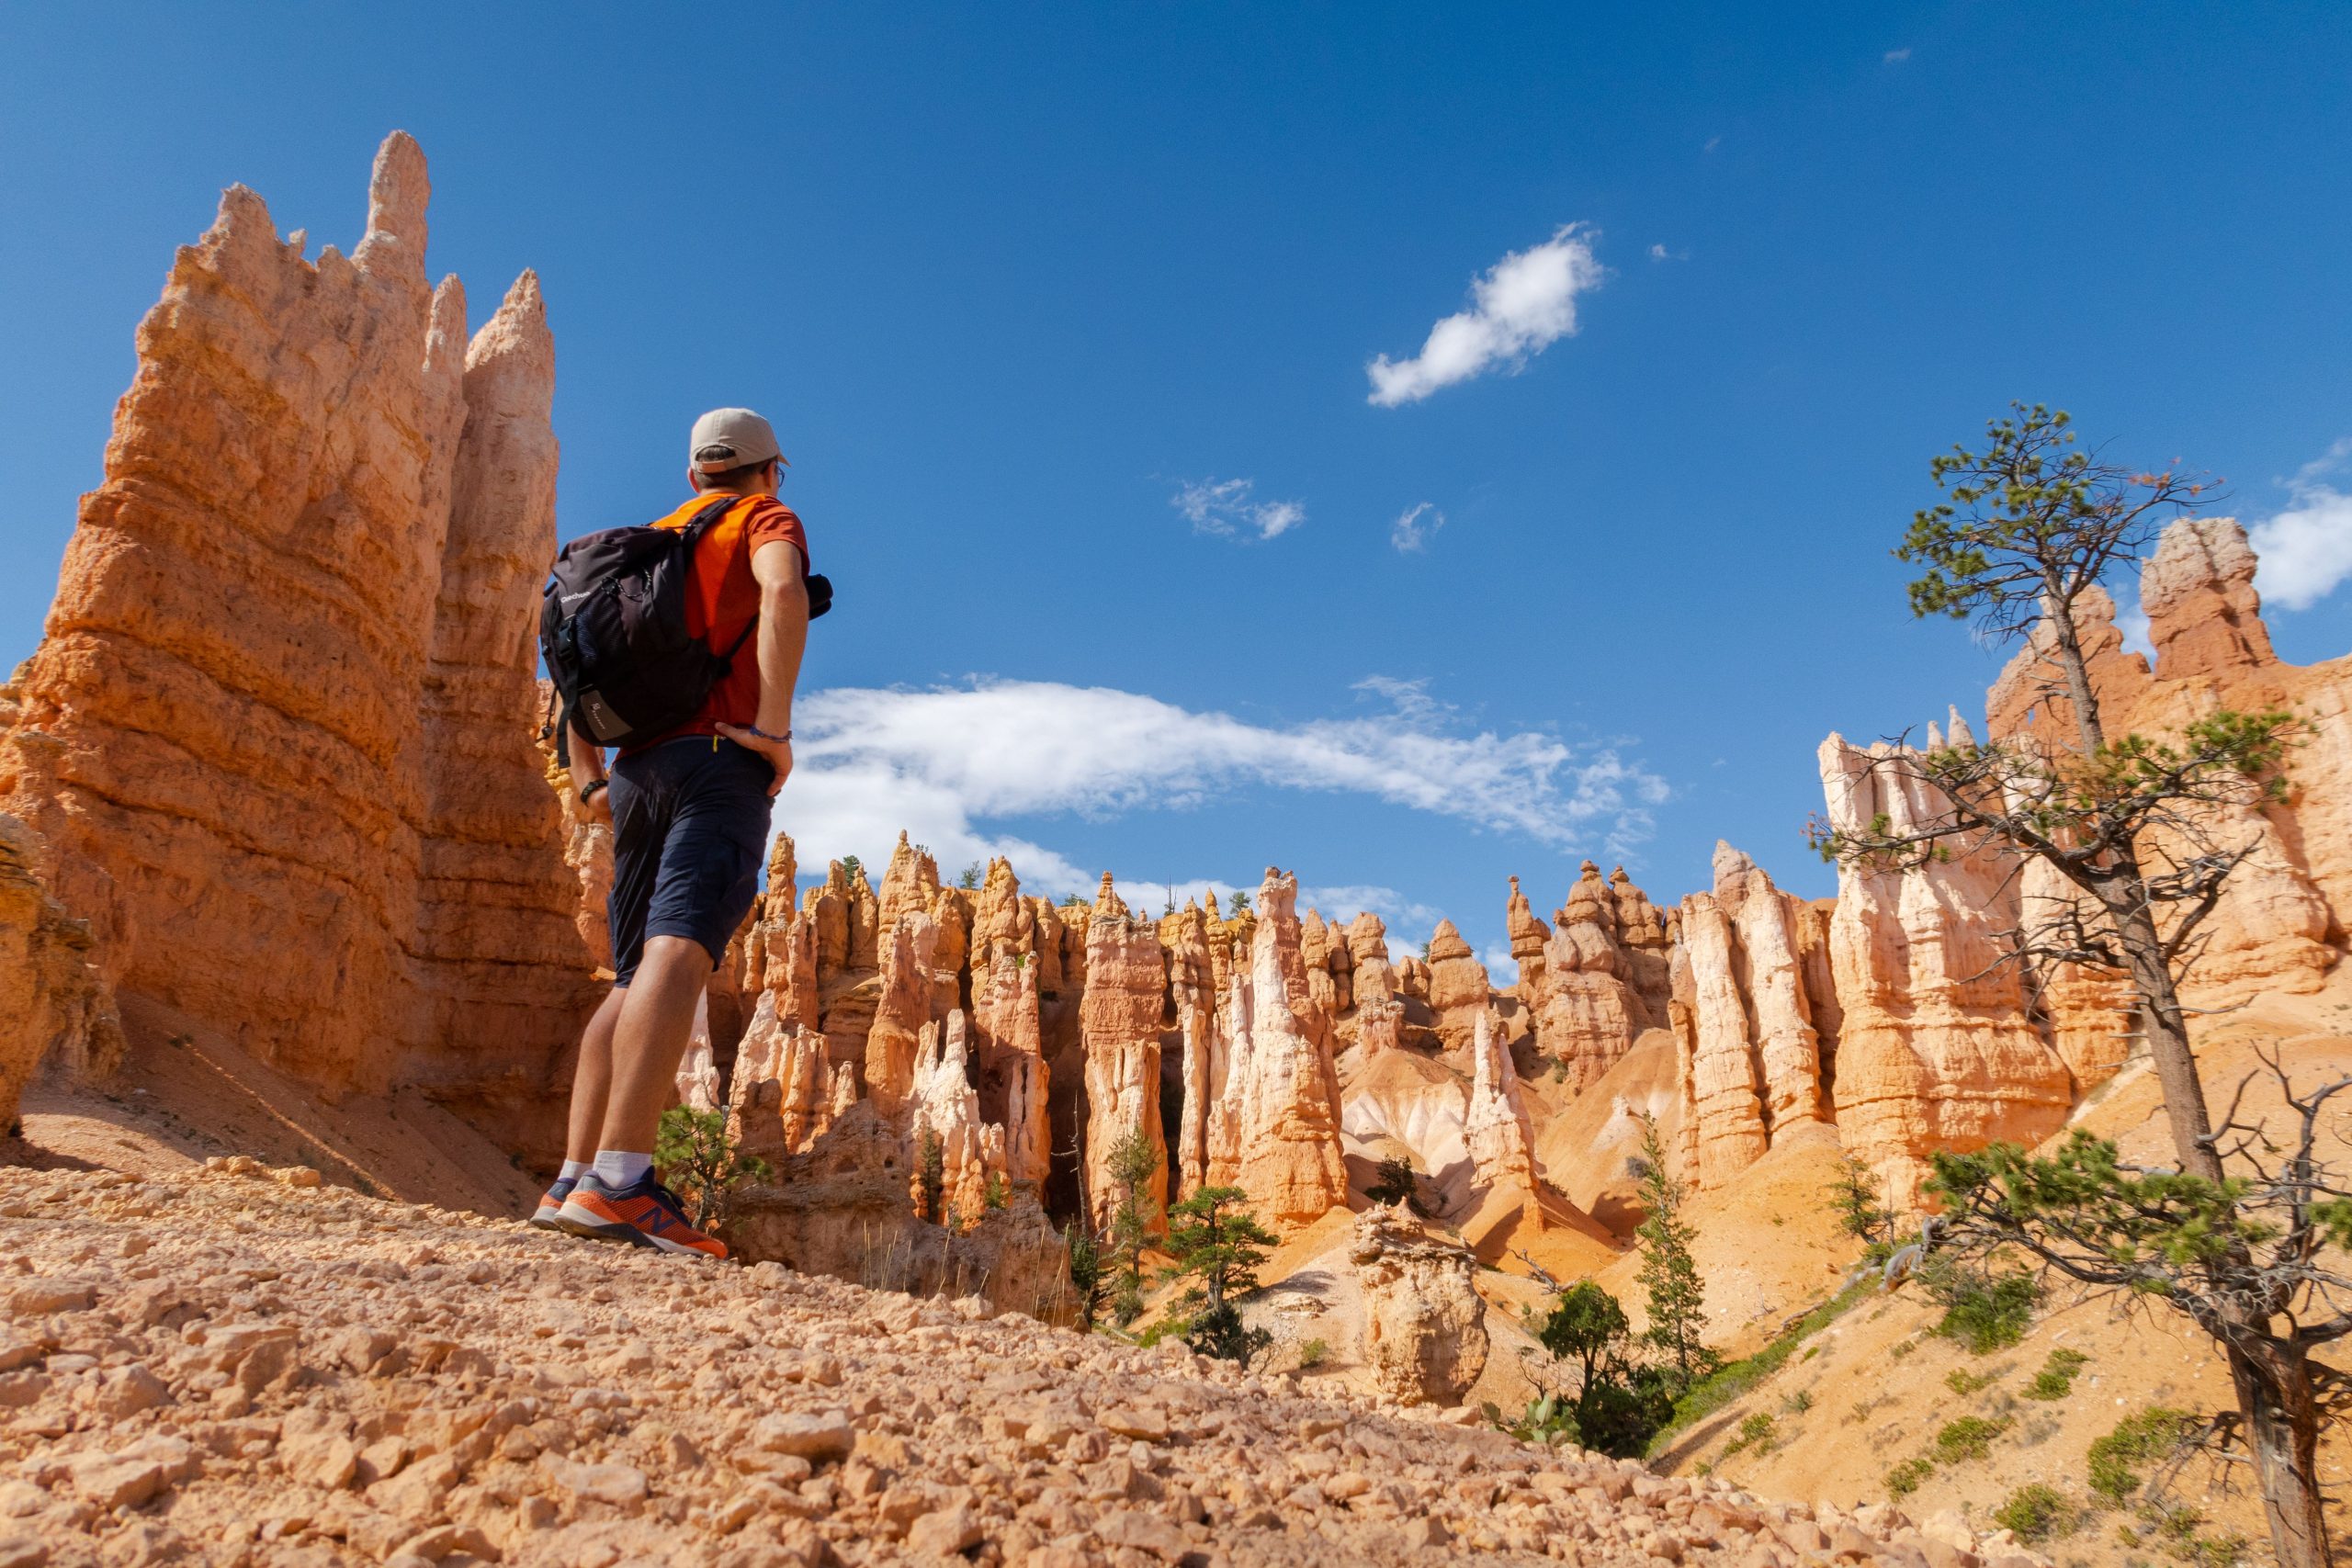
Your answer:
<point x="723" y="600"/>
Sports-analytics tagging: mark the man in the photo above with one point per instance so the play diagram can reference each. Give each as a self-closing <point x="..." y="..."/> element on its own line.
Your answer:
<point x="689" y="812"/>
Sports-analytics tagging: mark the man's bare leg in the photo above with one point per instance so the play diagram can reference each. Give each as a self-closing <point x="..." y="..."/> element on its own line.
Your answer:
<point x="650" y="1039"/>
<point x="591" y="1080"/>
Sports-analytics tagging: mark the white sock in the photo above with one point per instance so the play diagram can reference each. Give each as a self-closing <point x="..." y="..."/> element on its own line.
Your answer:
<point x="573" y="1169"/>
<point x="618" y="1167"/>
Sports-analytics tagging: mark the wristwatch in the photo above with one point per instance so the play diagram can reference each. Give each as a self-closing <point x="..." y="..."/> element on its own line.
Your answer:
<point x="588" y="791"/>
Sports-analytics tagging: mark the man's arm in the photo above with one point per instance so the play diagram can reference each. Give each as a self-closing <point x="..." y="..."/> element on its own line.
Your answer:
<point x="587" y="768"/>
<point x="783" y="638"/>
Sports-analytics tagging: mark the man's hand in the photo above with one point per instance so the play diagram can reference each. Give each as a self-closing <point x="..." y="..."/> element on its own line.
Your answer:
<point x="777" y="752"/>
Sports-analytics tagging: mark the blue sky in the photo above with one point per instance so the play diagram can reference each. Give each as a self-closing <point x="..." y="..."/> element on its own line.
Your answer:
<point x="1061" y="310"/>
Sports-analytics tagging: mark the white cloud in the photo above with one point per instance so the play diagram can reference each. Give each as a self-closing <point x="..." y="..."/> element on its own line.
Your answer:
<point x="1413" y="527"/>
<point x="1898" y="56"/>
<point x="942" y="762"/>
<point x="1503" y="969"/>
<point x="2306" y="551"/>
<point x="1399" y="913"/>
<point x="1659" y="253"/>
<point x="2132" y="622"/>
<point x="1524" y="303"/>
<point x="1224" y="507"/>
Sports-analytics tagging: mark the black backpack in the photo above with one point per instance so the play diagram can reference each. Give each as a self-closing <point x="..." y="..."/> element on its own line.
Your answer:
<point x="613" y="631"/>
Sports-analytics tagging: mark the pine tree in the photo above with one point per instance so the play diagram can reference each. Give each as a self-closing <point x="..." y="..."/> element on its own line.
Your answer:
<point x="1218" y="1246"/>
<point x="695" y="1155"/>
<point x="1854" y="1194"/>
<point x="1670" y="1273"/>
<point x="1130" y="1166"/>
<point x="1086" y="1282"/>
<point x="2144" y="832"/>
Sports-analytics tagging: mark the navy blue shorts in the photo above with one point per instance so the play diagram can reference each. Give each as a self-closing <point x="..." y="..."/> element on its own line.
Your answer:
<point x="690" y="828"/>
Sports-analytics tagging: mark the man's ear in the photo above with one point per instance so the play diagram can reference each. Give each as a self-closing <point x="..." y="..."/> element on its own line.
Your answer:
<point x="694" y="479"/>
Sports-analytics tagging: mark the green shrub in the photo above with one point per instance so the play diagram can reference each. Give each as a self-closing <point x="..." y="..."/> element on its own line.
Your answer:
<point x="695" y="1156"/>
<point x="1905" y="1478"/>
<point x="1799" y="1402"/>
<point x="1755" y="1432"/>
<point x="1397" y="1182"/>
<point x="1985" y="1309"/>
<point x="1312" y="1355"/>
<point x="2056" y="1378"/>
<point x="2176" y="1531"/>
<point x="1959" y="1380"/>
<point x="2036" y="1513"/>
<point x="2138" y="1438"/>
<point x="1969" y="1437"/>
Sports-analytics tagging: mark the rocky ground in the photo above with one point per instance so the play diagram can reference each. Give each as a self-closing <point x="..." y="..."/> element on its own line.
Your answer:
<point x="237" y="1365"/>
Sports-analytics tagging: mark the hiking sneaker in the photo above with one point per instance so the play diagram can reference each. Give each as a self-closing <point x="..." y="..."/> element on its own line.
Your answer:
<point x="552" y="1203"/>
<point x="644" y="1213"/>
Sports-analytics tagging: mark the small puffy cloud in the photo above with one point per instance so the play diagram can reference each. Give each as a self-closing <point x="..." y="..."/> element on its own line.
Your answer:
<point x="1414" y="526"/>
<point x="1896" y="56"/>
<point x="1659" y="253"/>
<point x="1503" y="969"/>
<point x="2306" y="551"/>
<point x="1226" y="507"/>
<point x="1522" y="305"/>
<point x="941" y="762"/>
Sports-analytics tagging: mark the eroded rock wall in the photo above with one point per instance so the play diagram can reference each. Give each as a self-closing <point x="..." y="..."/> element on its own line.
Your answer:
<point x="278" y="736"/>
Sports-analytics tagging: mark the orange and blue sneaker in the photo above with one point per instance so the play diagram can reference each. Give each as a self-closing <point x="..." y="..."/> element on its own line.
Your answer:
<point x="552" y="1203"/>
<point x="644" y="1213"/>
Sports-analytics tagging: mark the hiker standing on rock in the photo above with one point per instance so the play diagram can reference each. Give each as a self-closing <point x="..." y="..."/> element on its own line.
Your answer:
<point x="679" y="643"/>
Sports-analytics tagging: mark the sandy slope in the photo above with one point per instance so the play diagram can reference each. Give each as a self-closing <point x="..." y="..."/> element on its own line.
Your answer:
<point x="1872" y="1390"/>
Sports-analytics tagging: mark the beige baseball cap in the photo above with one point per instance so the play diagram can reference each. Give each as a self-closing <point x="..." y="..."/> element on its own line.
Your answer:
<point x="732" y="438"/>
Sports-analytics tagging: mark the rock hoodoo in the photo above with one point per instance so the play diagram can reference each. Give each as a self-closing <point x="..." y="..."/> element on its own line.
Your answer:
<point x="279" y="736"/>
<point x="1424" y="1322"/>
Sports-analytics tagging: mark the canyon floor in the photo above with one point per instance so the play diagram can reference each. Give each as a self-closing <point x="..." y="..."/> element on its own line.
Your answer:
<point x="232" y="1363"/>
<point x="295" y="1359"/>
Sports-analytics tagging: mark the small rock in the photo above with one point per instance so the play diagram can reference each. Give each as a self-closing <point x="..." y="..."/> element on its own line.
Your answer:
<point x="1143" y="1532"/>
<point x="813" y="1436"/>
<point x="319" y="1459"/>
<point x="622" y="1485"/>
<point x="1142" y="1421"/>
<point x="22" y="1551"/>
<point x="115" y="1483"/>
<point x="130" y="1390"/>
<point x="1424" y="1531"/>
<point x="950" y="1532"/>
<point x="41" y="1297"/>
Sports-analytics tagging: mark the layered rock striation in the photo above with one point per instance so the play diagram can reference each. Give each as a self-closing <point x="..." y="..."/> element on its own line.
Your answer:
<point x="279" y="735"/>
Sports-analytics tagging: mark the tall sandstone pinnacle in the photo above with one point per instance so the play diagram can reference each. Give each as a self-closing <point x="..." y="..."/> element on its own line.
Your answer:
<point x="1496" y="1127"/>
<point x="1119" y="1020"/>
<point x="278" y="736"/>
<point x="1744" y="1000"/>
<point x="1604" y="975"/>
<point x="1277" y="1132"/>
<point x="1936" y="1050"/>
<point x="2283" y="918"/>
